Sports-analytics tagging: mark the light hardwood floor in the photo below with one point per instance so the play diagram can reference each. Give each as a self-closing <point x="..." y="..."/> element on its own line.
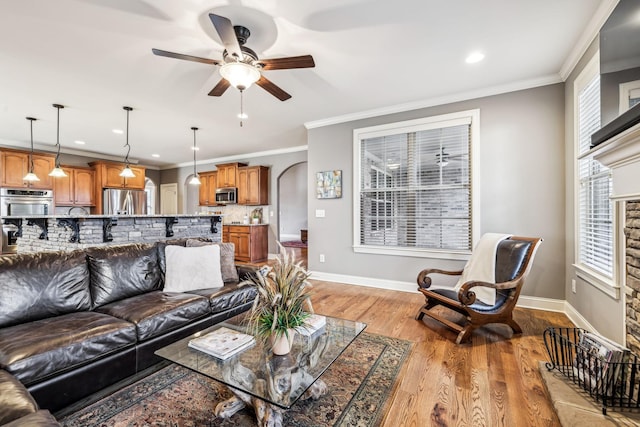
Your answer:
<point x="494" y="381"/>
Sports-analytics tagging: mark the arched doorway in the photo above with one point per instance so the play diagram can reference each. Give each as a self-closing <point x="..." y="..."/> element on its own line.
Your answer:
<point x="192" y="199"/>
<point x="292" y="202"/>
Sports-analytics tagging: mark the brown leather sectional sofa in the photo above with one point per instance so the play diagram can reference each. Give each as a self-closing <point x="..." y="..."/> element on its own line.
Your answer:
<point x="72" y="323"/>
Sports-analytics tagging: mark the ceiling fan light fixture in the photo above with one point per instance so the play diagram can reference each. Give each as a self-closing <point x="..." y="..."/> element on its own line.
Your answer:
<point x="240" y="74"/>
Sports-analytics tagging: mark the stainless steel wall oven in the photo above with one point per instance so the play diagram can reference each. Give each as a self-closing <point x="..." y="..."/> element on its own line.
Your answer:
<point x="21" y="202"/>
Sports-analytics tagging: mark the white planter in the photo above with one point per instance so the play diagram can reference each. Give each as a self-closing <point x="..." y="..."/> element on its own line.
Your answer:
<point x="281" y="344"/>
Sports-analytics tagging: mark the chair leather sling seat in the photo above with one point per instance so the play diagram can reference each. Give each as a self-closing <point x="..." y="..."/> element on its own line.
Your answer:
<point x="513" y="261"/>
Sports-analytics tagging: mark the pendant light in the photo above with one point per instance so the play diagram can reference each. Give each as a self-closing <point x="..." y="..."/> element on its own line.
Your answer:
<point x="195" y="180"/>
<point x="127" y="172"/>
<point x="31" y="177"/>
<point x="57" y="171"/>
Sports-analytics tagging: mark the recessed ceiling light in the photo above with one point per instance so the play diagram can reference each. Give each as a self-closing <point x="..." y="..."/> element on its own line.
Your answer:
<point x="80" y="142"/>
<point x="243" y="116"/>
<point x="155" y="155"/>
<point x="474" y="57"/>
<point x="118" y="131"/>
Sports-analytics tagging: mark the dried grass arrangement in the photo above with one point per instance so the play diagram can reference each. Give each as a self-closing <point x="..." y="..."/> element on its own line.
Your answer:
<point x="283" y="301"/>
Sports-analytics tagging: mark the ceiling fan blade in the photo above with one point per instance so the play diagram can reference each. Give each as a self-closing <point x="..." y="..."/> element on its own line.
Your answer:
<point x="274" y="90"/>
<point x="220" y="88"/>
<point x="227" y="34"/>
<point x="185" y="57"/>
<point x="304" y="61"/>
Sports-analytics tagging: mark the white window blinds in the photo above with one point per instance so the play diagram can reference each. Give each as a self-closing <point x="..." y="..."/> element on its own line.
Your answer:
<point x="595" y="208"/>
<point x="415" y="187"/>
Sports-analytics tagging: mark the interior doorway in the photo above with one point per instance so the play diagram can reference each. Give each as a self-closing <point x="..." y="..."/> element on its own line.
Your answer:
<point x="169" y="198"/>
<point x="292" y="209"/>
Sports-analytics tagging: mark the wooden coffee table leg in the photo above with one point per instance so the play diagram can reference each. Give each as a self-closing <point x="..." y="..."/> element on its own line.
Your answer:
<point x="317" y="389"/>
<point x="229" y="407"/>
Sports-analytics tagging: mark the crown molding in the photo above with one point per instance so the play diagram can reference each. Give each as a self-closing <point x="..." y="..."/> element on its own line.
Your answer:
<point x="588" y="36"/>
<point x="431" y="102"/>
<point x="239" y="157"/>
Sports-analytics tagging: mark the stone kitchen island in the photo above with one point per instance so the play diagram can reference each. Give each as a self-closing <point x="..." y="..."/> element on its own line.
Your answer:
<point x="37" y="233"/>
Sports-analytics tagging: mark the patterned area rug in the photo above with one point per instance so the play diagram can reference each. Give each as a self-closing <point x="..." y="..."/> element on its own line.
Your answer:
<point x="360" y="382"/>
<point x="294" y="244"/>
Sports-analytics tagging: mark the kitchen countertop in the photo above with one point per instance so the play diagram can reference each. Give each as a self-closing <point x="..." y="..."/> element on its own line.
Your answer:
<point x="90" y="216"/>
<point x="244" y="225"/>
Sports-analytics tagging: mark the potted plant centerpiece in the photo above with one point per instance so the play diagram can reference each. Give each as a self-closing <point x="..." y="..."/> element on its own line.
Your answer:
<point x="282" y="303"/>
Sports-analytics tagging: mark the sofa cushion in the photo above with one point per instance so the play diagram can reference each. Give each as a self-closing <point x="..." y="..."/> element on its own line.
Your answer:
<point x="192" y="268"/>
<point x="227" y="258"/>
<point x="155" y="313"/>
<point x="230" y="296"/>
<point x="41" y="285"/>
<point x="15" y="400"/>
<point x="122" y="271"/>
<point x="36" y="350"/>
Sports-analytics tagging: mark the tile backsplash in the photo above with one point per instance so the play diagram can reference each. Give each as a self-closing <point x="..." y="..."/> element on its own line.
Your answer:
<point x="237" y="213"/>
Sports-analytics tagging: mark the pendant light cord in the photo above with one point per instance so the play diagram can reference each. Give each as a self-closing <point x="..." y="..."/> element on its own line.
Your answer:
<point x="126" y="158"/>
<point x="31" y="119"/>
<point x="57" y="161"/>
<point x="194" y="151"/>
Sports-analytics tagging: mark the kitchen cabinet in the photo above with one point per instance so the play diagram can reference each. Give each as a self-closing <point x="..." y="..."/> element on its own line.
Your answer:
<point x="107" y="175"/>
<point x="251" y="241"/>
<point x="228" y="174"/>
<point x="253" y="185"/>
<point x="208" y="186"/>
<point x="15" y="165"/>
<point x="76" y="189"/>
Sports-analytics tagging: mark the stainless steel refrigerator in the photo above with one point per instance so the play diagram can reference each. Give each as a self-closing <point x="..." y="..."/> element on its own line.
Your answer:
<point x="124" y="202"/>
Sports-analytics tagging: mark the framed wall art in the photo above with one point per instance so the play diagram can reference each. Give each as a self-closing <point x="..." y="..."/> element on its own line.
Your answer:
<point x="329" y="184"/>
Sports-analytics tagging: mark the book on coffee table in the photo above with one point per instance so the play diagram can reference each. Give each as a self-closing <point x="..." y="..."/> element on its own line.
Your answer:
<point x="223" y="342"/>
<point x="314" y="323"/>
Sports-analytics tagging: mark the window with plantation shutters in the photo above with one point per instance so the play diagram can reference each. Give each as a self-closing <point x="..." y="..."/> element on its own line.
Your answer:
<point x="414" y="185"/>
<point x="595" y="220"/>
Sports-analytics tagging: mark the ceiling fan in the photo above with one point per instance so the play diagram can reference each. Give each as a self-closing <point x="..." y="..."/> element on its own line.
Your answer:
<point x="240" y="66"/>
<point x="443" y="158"/>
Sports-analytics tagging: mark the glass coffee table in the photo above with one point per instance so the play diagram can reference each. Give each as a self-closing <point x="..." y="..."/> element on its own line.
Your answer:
<point x="268" y="383"/>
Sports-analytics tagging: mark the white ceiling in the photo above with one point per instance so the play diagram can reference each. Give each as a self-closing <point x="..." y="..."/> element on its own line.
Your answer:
<point x="94" y="57"/>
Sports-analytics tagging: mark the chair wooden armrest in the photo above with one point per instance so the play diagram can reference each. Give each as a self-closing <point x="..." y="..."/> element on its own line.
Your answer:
<point x="468" y="297"/>
<point x="424" y="281"/>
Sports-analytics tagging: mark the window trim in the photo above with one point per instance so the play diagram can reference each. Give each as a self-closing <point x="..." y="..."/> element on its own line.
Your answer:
<point x="609" y="286"/>
<point x="463" y="117"/>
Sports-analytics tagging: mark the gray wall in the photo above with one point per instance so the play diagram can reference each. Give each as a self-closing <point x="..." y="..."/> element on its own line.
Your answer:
<point x="277" y="165"/>
<point x="521" y="187"/>
<point x="603" y="312"/>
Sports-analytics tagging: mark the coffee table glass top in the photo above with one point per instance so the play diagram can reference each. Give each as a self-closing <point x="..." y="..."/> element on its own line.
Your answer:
<point x="279" y="380"/>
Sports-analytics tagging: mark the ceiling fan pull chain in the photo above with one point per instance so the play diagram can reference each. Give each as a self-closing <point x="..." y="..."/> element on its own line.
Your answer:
<point x="241" y="107"/>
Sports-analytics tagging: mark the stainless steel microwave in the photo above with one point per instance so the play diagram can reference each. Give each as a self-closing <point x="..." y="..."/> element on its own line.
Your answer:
<point x="226" y="196"/>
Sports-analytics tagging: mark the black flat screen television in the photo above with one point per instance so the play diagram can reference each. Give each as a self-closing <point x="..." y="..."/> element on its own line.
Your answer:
<point x="619" y="70"/>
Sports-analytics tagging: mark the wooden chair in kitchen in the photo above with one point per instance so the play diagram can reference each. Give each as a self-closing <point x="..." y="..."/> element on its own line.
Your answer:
<point x="514" y="257"/>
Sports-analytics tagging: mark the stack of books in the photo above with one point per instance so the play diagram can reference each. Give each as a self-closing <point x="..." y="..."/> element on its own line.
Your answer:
<point x="314" y="323"/>
<point x="223" y="342"/>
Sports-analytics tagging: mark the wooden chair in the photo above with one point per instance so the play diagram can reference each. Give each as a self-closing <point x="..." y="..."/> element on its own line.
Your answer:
<point x="514" y="257"/>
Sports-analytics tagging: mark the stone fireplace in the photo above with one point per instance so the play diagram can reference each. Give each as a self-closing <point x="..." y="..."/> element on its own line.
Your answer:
<point x="621" y="153"/>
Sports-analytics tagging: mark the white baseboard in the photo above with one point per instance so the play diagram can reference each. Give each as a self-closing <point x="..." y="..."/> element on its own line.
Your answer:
<point x="524" y="301"/>
<point x="393" y="285"/>
<point x="286" y="237"/>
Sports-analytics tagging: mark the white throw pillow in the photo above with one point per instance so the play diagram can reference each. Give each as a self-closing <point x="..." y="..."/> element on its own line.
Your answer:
<point x="192" y="268"/>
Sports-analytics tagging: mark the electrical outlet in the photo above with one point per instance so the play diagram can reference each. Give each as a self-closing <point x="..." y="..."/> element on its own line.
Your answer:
<point x="321" y="257"/>
<point x="573" y="285"/>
